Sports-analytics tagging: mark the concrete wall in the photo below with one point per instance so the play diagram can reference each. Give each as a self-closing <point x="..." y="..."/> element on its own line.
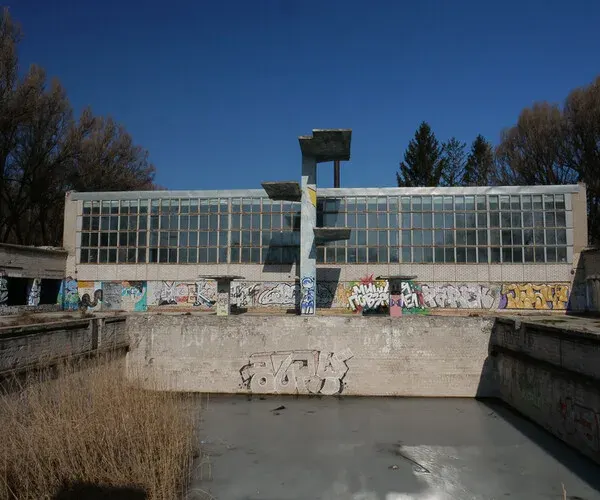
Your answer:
<point x="551" y="375"/>
<point x="30" y="278"/>
<point x="40" y="345"/>
<point x="354" y="355"/>
<point x="586" y="282"/>
<point x="416" y="296"/>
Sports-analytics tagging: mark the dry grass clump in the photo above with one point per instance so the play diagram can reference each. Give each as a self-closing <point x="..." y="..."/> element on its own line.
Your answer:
<point x="90" y="426"/>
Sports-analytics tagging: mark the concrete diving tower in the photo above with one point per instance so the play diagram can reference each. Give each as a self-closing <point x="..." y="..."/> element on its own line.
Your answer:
<point x="323" y="146"/>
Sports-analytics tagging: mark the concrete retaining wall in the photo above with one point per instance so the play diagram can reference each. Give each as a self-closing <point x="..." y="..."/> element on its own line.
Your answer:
<point x="370" y="356"/>
<point x="551" y="375"/>
<point x="40" y="345"/>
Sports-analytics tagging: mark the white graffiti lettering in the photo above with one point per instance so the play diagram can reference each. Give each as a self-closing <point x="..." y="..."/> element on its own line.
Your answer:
<point x="369" y="295"/>
<point x="409" y="296"/>
<point x="296" y="372"/>
<point x="458" y="296"/>
<point x="282" y="294"/>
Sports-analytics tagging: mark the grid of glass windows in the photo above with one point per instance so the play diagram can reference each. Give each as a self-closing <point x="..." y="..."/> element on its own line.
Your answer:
<point x="264" y="231"/>
<point x="418" y="229"/>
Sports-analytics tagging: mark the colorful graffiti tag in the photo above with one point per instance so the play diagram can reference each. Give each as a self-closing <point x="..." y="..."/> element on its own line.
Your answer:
<point x="534" y="296"/>
<point x="307" y="304"/>
<point x="68" y="295"/>
<point x="134" y="296"/>
<point x="301" y="372"/>
<point x="369" y="294"/>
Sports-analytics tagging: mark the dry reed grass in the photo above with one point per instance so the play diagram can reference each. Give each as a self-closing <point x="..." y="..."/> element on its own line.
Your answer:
<point x="89" y="426"/>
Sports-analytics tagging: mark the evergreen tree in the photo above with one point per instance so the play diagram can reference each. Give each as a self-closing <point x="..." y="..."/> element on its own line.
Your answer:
<point x="424" y="161"/>
<point x="480" y="163"/>
<point x="455" y="155"/>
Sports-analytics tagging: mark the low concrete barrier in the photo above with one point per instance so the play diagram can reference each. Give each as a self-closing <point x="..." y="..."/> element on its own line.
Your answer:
<point x="551" y="374"/>
<point x="40" y="345"/>
<point x="368" y="356"/>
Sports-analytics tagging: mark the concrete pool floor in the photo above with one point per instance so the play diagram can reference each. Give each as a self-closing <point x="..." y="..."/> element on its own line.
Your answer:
<point x="382" y="449"/>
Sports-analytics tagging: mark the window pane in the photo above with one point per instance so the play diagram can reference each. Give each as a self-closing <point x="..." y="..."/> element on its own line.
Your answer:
<point x="439" y="237"/>
<point x="494" y="219"/>
<point x="561" y="254"/>
<point x="517" y="254"/>
<point x="417" y="237"/>
<point x="561" y="219"/>
<point x="550" y="236"/>
<point x="471" y="255"/>
<point x="449" y="221"/>
<point x="507" y="255"/>
<point x="470" y="220"/>
<point x="472" y="238"/>
<point x="495" y="255"/>
<point x="551" y="254"/>
<point x="449" y="254"/>
<point x="406" y="254"/>
<point x="482" y="254"/>
<point x="528" y="254"/>
<point x="482" y="237"/>
<point x="461" y="254"/>
<point x="538" y="236"/>
<point x="505" y="219"/>
<point x="528" y="237"/>
<point x="539" y="254"/>
<point x="550" y="219"/>
<point x="439" y="254"/>
<point x="561" y="236"/>
<point x="517" y="237"/>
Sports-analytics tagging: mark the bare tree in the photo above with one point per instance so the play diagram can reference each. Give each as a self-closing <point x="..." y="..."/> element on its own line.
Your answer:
<point x="582" y="146"/>
<point x="531" y="152"/>
<point x="44" y="152"/>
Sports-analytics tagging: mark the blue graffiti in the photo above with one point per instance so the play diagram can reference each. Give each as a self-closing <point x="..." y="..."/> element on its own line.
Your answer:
<point x="307" y="305"/>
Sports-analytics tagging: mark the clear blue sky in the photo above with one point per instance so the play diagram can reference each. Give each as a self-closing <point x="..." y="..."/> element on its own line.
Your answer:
<point x="219" y="91"/>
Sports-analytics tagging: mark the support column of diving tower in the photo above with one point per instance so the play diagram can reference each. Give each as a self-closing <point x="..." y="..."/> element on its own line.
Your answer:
<point x="323" y="146"/>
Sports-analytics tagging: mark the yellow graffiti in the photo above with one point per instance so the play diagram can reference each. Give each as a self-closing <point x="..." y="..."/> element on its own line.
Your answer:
<point x="529" y="296"/>
<point x="312" y="194"/>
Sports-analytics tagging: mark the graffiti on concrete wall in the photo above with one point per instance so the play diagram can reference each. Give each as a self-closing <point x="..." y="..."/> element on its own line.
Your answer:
<point x="301" y="372"/>
<point x="464" y="296"/>
<point x="580" y="422"/>
<point x="90" y="293"/>
<point x="278" y="294"/>
<point x="534" y="296"/>
<point x="111" y="295"/>
<point x="3" y="288"/>
<point x="33" y="292"/>
<point x="68" y="295"/>
<point x="368" y="294"/>
<point x="307" y="303"/>
<point x="134" y="295"/>
<point x="411" y="297"/>
<point x="243" y="294"/>
<point x="183" y="294"/>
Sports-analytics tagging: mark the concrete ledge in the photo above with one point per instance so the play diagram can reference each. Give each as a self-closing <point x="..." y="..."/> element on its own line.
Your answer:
<point x="36" y="346"/>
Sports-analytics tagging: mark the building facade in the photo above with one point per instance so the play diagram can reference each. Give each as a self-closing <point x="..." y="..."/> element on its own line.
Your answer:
<point x="468" y="247"/>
